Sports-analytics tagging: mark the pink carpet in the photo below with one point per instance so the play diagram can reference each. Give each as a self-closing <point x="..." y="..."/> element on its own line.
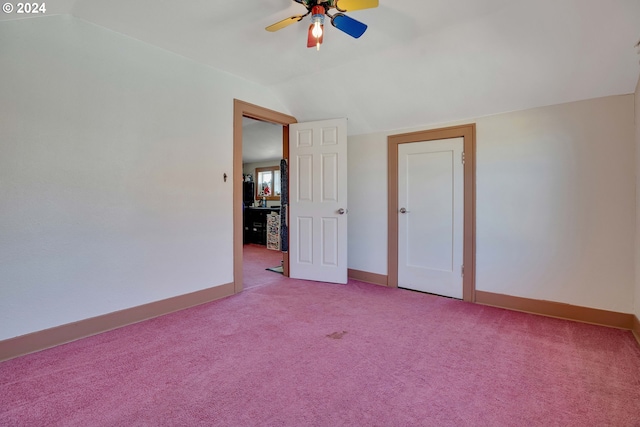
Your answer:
<point x="296" y="353"/>
<point x="256" y="260"/>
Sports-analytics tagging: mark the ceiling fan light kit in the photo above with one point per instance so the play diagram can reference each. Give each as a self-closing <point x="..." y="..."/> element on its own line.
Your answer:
<point x="316" y="29"/>
<point x="318" y="9"/>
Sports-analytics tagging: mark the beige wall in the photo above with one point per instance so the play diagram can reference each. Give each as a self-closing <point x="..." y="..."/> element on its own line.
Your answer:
<point x="555" y="203"/>
<point x="112" y="154"/>
<point x="637" y="253"/>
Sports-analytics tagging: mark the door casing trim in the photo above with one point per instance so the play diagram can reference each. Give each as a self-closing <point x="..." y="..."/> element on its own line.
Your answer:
<point x="245" y="109"/>
<point x="468" y="133"/>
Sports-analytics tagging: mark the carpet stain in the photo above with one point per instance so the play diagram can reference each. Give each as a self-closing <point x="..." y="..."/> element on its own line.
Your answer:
<point x="337" y="335"/>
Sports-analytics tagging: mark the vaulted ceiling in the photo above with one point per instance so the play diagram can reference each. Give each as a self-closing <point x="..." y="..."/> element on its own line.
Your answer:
<point x="420" y="62"/>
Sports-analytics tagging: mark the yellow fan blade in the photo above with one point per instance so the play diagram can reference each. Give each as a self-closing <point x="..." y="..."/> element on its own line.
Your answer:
<point x="349" y="5"/>
<point x="284" y="23"/>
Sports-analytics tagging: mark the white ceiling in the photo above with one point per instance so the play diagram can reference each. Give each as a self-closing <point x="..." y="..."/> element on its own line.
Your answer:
<point x="261" y="141"/>
<point x="420" y="62"/>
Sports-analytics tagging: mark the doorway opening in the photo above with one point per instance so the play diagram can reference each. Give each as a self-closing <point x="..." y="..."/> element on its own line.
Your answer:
<point x="243" y="111"/>
<point x="468" y="134"/>
<point x="261" y="201"/>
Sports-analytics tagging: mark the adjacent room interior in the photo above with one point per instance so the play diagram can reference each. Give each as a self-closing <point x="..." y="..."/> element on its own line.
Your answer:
<point x="261" y="156"/>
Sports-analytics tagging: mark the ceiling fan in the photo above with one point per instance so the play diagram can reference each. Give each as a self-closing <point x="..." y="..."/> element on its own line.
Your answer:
<point x="318" y="9"/>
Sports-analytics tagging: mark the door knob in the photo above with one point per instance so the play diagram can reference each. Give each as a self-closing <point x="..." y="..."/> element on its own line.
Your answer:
<point x="403" y="210"/>
<point x="342" y="211"/>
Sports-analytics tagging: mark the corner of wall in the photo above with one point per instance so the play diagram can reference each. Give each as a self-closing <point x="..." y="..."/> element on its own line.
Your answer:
<point x="636" y="297"/>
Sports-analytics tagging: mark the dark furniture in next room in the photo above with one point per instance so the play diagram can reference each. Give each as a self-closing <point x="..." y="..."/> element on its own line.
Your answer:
<point x="255" y="224"/>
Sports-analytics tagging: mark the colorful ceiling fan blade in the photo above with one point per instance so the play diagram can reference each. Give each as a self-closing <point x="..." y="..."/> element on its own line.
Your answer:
<point x="349" y="25"/>
<point x="349" y="5"/>
<point x="284" y="23"/>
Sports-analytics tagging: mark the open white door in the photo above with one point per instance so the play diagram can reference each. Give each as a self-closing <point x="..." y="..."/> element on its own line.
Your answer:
<point x="318" y="201"/>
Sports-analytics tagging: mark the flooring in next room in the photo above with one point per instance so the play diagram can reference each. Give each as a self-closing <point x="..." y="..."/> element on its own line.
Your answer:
<point x="255" y="261"/>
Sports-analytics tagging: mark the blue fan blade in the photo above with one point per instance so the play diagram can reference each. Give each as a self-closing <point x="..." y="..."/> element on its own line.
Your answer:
<point x="348" y="25"/>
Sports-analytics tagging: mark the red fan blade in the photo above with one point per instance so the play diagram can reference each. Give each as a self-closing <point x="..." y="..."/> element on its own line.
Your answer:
<point x="312" y="41"/>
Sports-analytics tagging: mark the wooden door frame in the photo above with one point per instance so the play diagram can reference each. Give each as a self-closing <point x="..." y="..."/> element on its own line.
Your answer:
<point x="468" y="133"/>
<point x="244" y="109"/>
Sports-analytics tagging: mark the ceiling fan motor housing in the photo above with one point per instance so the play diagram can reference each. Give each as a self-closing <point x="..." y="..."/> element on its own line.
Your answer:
<point x="318" y="10"/>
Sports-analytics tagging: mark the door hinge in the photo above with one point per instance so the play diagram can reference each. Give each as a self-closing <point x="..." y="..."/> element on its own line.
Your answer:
<point x="462" y="270"/>
<point x="463" y="157"/>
